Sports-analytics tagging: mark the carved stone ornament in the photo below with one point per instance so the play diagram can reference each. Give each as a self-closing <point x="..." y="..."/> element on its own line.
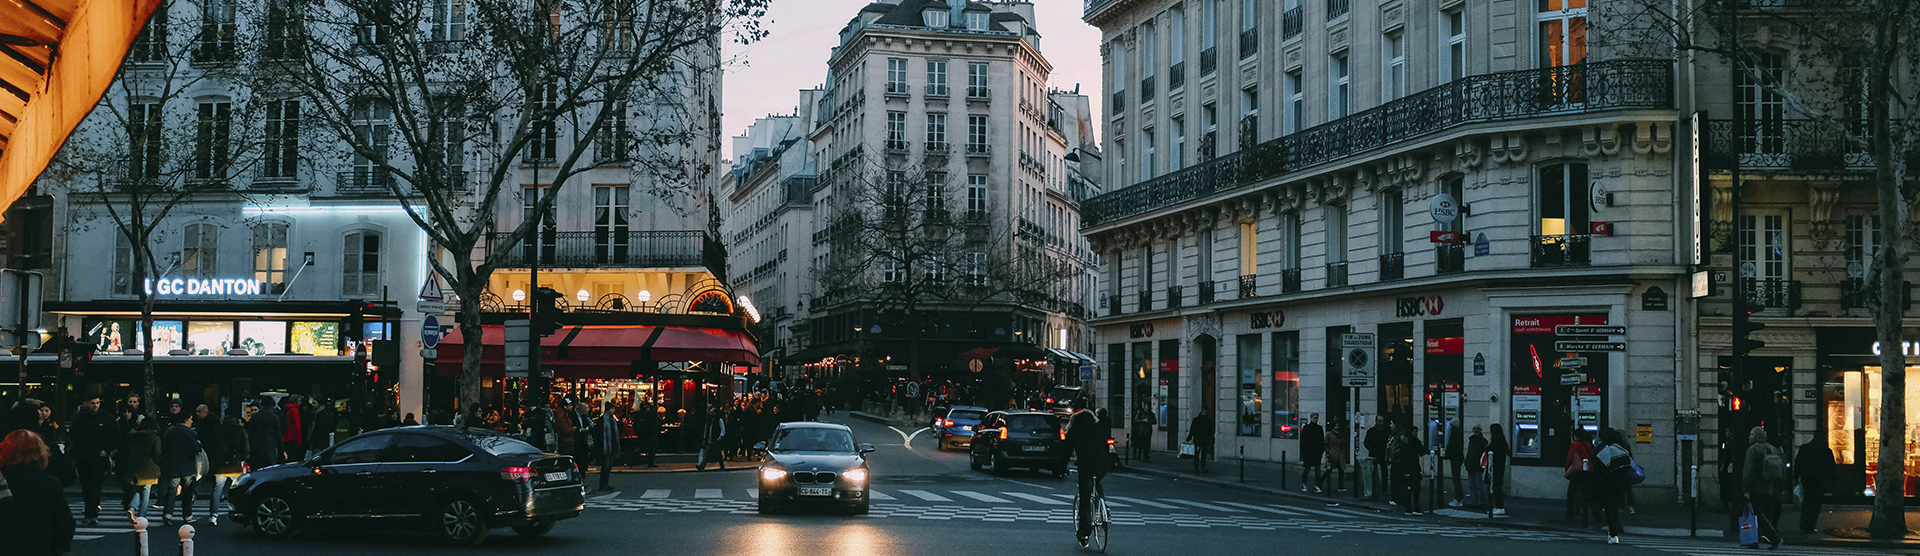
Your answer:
<point x="1288" y="198"/>
<point x="1722" y="214"/>
<point x="1393" y="17"/>
<point x="1653" y="138"/>
<point x="1821" y="199"/>
<point x="1508" y="149"/>
<point x="1406" y="171"/>
<point x="1368" y="177"/>
<point x="1600" y="141"/>
<point x="1466" y="155"/>
<point x="1337" y="38"/>
<point x="1334" y="189"/>
<point x="1291" y="58"/>
<point x="1204" y="324"/>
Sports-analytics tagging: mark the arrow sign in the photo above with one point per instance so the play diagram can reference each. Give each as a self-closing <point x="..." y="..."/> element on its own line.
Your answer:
<point x="1589" y="346"/>
<point x="1573" y="362"/>
<point x="1571" y="379"/>
<point x="1588" y="330"/>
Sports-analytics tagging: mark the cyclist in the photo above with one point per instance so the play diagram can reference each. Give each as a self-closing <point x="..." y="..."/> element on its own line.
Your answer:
<point x="1087" y="442"/>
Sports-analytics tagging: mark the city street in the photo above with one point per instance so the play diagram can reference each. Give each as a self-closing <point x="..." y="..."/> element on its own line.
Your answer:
<point x="928" y="502"/>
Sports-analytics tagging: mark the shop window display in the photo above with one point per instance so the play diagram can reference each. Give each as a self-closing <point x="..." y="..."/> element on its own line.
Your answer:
<point x="1853" y="424"/>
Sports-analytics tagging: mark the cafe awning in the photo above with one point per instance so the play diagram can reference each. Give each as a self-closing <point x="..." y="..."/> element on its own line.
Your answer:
<point x="604" y="351"/>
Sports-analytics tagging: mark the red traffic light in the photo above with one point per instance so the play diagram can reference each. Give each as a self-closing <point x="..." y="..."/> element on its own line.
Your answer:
<point x="1735" y="403"/>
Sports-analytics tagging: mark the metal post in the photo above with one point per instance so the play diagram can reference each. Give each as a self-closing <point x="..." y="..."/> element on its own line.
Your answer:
<point x="1283" y="470"/>
<point x="1243" y="464"/>
<point x="536" y="378"/>
<point x="186" y="540"/>
<point x="139" y="533"/>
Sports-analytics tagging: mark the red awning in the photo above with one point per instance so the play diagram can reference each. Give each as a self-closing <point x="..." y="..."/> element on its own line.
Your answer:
<point x="604" y="351"/>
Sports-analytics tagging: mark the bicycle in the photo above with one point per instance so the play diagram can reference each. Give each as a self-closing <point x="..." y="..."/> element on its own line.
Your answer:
<point x="1102" y="519"/>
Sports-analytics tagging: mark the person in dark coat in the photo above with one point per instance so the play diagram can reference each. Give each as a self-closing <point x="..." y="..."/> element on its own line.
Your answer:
<point x="34" y="518"/>
<point x="1376" y="443"/>
<point x="94" y="434"/>
<point x="1406" y="450"/>
<point x="1476" y="473"/>
<point x="226" y="453"/>
<point x="179" y="468"/>
<point x="1313" y="448"/>
<point x="1141" y="442"/>
<point x="1456" y="454"/>
<point x="263" y="436"/>
<point x="1497" y="444"/>
<point x="1201" y="435"/>
<point x="1814" y="467"/>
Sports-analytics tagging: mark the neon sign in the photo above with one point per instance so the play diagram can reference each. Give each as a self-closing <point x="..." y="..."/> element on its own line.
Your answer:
<point x="198" y="286"/>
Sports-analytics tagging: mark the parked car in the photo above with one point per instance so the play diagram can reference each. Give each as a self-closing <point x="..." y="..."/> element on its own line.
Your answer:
<point x="1009" y="439"/>
<point x="956" y="428"/>
<point x="462" y="482"/>
<point x="1060" y="399"/>
<point x="813" y="464"/>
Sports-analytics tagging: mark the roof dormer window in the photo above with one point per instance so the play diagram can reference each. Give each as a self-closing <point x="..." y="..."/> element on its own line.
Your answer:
<point x="937" y="19"/>
<point x="977" y="21"/>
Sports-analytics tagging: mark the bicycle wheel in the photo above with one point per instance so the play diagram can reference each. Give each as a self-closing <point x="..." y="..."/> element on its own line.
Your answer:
<point x="1098" y="540"/>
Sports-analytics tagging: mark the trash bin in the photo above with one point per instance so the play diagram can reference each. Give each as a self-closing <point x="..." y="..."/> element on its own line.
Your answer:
<point x="1365" y="468"/>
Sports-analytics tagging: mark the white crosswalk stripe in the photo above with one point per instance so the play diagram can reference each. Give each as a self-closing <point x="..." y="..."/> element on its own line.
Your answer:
<point x="1205" y="506"/>
<point x="1708" y="547"/>
<point x="877" y="495"/>
<point x="982" y="497"/>
<point x="1148" y="503"/>
<point x="1110" y="502"/>
<point x="656" y="493"/>
<point x="1268" y="509"/>
<point x="753" y="493"/>
<point x="924" y="495"/>
<point x="1040" y="499"/>
<point x="706" y="493"/>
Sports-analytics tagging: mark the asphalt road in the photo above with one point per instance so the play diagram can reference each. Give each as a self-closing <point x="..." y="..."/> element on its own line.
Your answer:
<point x="929" y="502"/>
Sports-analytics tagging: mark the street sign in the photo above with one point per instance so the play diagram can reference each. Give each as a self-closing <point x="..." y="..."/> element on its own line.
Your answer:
<point x="1571" y="379"/>
<point x="1573" y="362"/>
<point x="896" y="367"/>
<point x="1589" y="346"/>
<point x="430" y="332"/>
<point x="429" y="353"/>
<point x="20" y="294"/>
<point x="1086" y="372"/>
<point x="1443" y="237"/>
<point x="1588" y="330"/>
<point x="1479" y="364"/>
<point x="432" y="300"/>
<point x="516" y="348"/>
<point x="913" y="389"/>
<point x="1358" y="360"/>
<point x="1443" y="208"/>
<point x="974" y="365"/>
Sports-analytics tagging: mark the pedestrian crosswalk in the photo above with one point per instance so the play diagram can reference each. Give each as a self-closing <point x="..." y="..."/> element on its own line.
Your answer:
<point x="652" y="501"/>
<point x="1717" y="547"/>
<point x="114" y="520"/>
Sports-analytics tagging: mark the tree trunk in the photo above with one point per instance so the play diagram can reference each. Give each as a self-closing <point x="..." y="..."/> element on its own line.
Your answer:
<point x="142" y="252"/>
<point x="1889" y="488"/>
<point x="470" y="289"/>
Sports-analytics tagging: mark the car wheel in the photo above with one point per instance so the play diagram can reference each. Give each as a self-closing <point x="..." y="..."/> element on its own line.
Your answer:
<point x="461" y="523"/>
<point x="273" y="516"/>
<point x="535" y="529"/>
<point x="973" y="461"/>
<point x="999" y="465"/>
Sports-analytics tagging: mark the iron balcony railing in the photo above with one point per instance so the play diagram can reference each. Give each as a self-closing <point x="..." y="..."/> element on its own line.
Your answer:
<point x="1292" y="22"/>
<point x="1144" y="302"/>
<point x="1249" y="43"/>
<point x="613" y="249"/>
<point x="896" y="146"/>
<point x="936" y="90"/>
<point x="1113" y="304"/>
<point x="1119" y="102"/>
<point x="1208" y="59"/>
<point x="1146" y="90"/>
<point x="1335" y="9"/>
<point x="1450" y="258"/>
<point x="978" y="93"/>
<point x="1336" y="274"/>
<point x="1290" y="280"/>
<point x="1175" y="297"/>
<point x="1206" y="292"/>
<point x="1176" y="76"/>
<point x="1791" y="145"/>
<point x="939" y="149"/>
<point x="363" y="181"/>
<point x="1393" y="266"/>
<point x="1580" y="88"/>
<point x="1248" y="286"/>
<point x="979" y="149"/>
<point x="1091" y="5"/>
<point x="1772" y="293"/>
<point x="1561" y="250"/>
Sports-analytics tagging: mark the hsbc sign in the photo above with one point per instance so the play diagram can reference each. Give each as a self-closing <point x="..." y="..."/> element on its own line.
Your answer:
<point x="1429" y="306"/>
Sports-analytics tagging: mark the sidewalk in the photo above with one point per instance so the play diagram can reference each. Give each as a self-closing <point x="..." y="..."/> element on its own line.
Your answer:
<point x="1707" y="521"/>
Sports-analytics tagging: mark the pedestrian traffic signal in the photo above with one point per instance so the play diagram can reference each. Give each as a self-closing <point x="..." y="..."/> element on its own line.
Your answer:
<point x="546" y="311"/>
<point x="1743" y="329"/>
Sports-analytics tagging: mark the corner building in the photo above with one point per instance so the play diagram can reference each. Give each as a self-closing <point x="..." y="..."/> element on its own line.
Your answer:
<point x="1281" y="177"/>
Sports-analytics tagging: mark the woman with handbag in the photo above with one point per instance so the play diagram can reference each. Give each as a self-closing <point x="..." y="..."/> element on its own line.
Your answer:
<point x="1579" y="466"/>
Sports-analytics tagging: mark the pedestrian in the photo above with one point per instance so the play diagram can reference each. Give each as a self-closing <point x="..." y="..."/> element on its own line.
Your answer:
<point x="34" y="517"/>
<point x="1375" y="464"/>
<point x="646" y="430"/>
<point x="263" y="435"/>
<point x="609" y="432"/>
<point x="1336" y="458"/>
<point x="1764" y="476"/>
<point x="321" y="421"/>
<point x="228" y="460"/>
<point x="712" y="431"/>
<point x="1456" y="456"/>
<point x="132" y="414"/>
<point x="1201" y="435"/>
<point x="1405" y="453"/>
<point x="139" y="466"/>
<point x="179" y="468"/>
<point x="1141" y="442"/>
<point x="1608" y="479"/>
<point x="410" y="421"/>
<point x="1579" y="464"/>
<point x="1814" y="467"/>
<point x="1477" y="464"/>
<point x="93" y="433"/>
<point x="293" y="430"/>
<point x="1313" y="447"/>
<point x="1497" y="472"/>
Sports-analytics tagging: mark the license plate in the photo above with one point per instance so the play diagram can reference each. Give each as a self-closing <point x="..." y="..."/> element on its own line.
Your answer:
<point x="1033" y="448"/>
<point x="816" y="491"/>
<point x="560" y="476"/>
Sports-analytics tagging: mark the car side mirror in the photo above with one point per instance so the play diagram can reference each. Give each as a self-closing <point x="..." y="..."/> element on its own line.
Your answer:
<point x="760" y="446"/>
<point x="866" y="448"/>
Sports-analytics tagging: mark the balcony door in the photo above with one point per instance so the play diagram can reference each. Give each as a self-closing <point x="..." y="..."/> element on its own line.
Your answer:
<point x="611" y="242"/>
<point x="1562" y="40"/>
<point x="1762" y="108"/>
<point x="1765" y="257"/>
<point x="549" y="240"/>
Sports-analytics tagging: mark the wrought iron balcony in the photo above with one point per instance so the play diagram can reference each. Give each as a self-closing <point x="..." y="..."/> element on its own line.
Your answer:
<point x="648" y="249"/>
<point x="1247" y="286"/>
<point x="1206" y="291"/>
<point x="1336" y="274"/>
<point x="1176" y="76"/>
<point x="1119" y="102"/>
<point x="1450" y="258"/>
<point x="1091" y="5"/>
<point x="1855" y="293"/>
<point x="1772" y="293"/>
<point x="1208" y="59"/>
<point x="1146" y="90"/>
<point x="1290" y="280"/>
<point x="1561" y="250"/>
<point x="1113" y="304"/>
<point x="1292" y="22"/>
<point x="1175" y="297"/>
<point x="1790" y="145"/>
<point x="936" y="90"/>
<point x="1144" y="302"/>
<point x="978" y="93"/>
<point x="1335" y="9"/>
<point x="939" y="149"/>
<point x="364" y="181"/>
<point x="896" y="146"/>
<point x="1393" y="266"/>
<point x="1514" y="95"/>
<point x="898" y="88"/>
<point x="979" y="149"/>
<point x="1249" y="43"/>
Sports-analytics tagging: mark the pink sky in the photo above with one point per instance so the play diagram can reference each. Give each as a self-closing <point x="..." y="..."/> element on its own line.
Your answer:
<point x="765" y="77"/>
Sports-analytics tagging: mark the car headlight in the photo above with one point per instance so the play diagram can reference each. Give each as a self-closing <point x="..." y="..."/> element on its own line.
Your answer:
<point x="856" y="475"/>
<point x="772" y="473"/>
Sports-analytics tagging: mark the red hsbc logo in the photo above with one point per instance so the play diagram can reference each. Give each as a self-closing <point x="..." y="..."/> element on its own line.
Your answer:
<point x="1444" y="237"/>
<point x="1418" y="306"/>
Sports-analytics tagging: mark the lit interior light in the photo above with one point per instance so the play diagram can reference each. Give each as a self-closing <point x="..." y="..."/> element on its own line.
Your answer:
<point x="519" y="295"/>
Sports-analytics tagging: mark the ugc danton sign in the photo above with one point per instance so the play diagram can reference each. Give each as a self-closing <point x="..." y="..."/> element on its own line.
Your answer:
<point x="202" y="286"/>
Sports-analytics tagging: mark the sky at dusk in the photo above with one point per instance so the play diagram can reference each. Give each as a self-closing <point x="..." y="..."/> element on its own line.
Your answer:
<point x="765" y="77"/>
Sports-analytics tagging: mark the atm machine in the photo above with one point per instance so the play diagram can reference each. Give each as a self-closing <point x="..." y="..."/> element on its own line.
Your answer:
<point x="1526" y="421"/>
<point x="1586" y="407"/>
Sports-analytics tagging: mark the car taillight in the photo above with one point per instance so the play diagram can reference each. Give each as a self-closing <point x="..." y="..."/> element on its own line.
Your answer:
<point x="946" y="422"/>
<point x="518" y="474"/>
<point x="1003" y="433"/>
<point x="1049" y="400"/>
<point x="1109" y="444"/>
<point x="1063" y="433"/>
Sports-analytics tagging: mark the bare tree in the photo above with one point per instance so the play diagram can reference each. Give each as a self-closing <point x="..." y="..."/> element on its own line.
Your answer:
<point x="1856" y="73"/>
<point x="906" y="246"/>
<point x="168" y="135"/>
<point x="438" y="102"/>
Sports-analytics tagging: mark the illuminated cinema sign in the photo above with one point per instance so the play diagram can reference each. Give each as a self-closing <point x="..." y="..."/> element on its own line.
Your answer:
<point x="198" y="286"/>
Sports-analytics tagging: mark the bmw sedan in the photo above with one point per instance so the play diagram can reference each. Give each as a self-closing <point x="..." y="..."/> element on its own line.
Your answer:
<point x="814" y="464"/>
<point x="460" y="482"/>
<point x="956" y="428"/>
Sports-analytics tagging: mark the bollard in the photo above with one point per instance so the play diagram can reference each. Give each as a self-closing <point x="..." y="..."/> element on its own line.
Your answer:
<point x="1283" y="470"/>
<point x="139" y="534"/>
<point x="1243" y="464"/>
<point x="186" y="540"/>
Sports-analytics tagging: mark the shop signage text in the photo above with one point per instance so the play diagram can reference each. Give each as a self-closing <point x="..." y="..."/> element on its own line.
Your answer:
<point x="1269" y="319"/>
<point x="1446" y="346"/>
<point x="197" y="286"/>
<point x="1908" y="348"/>
<point x="1443" y="237"/>
<point x="1588" y="330"/>
<point x="1444" y="208"/>
<point x="1479" y="364"/>
<point x="1140" y="330"/>
<point x="1418" y="306"/>
<point x="1359" y="366"/>
<point x="1572" y="362"/>
<point x="1601" y="228"/>
<point x="1589" y="346"/>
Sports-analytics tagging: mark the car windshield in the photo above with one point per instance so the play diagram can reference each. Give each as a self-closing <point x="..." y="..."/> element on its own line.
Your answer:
<point x="1030" y="423"/>
<point x="1063" y="394"/>
<point x="965" y="415"/>
<point x="812" y="440"/>
<point x="502" y="445"/>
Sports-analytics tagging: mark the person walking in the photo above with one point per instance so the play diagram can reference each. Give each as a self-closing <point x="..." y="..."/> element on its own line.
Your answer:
<point x="1477" y="464"/>
<point x="1336" y="457"/>
<point x="1814" y="467"/>
<point x="1313" y="447"/>
<point x="139" y="467"/>
<point x="1141" y="441"/>
<point x="293" y="430"/>
<point x="1497" y="472"/>
<point x="646" y="429"/>
<point x="179" y="468"/>
<point x="1579" y="464"/>
<point x="1375" y="464"/>
<point x="1405" y="452"/>
<point x="1608" y="479"/>
<point x="1201" y="435"/>
<point x="228" y="456"/>
<point x="1456" y="455"/>
<point x="714" y="429"/>
<point x="34" y="517"/>
<point x="263" y="436"/>
<point x="609" y="433"/>
<point x="1764" y="475"/>
<point x="93" y="432"/>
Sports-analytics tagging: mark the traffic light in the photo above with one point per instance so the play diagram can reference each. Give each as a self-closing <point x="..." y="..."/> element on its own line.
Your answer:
<point x="1735" y="403"/>
<point x="386" y="354"/>
<point x="546" y="311"/>
<point x="1743" y="328"/>
<point x="354" y="327"/>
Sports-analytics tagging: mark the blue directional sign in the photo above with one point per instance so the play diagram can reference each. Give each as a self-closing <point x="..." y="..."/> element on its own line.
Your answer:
<point x="430" y="332"/>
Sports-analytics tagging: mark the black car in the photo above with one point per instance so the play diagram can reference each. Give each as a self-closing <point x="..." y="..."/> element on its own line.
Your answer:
<point x="461" y="482"/>
<point x="814" y="464"/>
<point x="1009" y="439"/>
<point x="1060" y="399"/>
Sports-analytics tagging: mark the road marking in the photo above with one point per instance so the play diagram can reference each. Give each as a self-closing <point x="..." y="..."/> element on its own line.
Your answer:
<point x="1329" y="512"/>
<point x="1040" y="499"/>
<point x="1148" y="503"/>
<point x="656" y="493"/>
<point x="905" y="439"/>
<point x="1110" y="502"/>
<point x="706" y="493"/>
<point x="1203" y="505"/>
<point x="982" y="497"/>
<point x="753" y="494"/>
<point x="1028" y="484"/>
<point x="1260" y="508"/>
<point x="928" y="496"/>
<point x="606" y="497"/>
<point x="877" y="495"/>
<point x="916" y="433"/>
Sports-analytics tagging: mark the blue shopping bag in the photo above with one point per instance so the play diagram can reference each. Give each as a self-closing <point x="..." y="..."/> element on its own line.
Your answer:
<point x="1749" y="529"/>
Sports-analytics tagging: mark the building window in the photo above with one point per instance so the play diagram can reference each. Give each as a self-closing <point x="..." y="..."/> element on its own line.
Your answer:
<point x="1176" y="48"/>
<point x="282" y="156"/>
<point x="1453" y="58"/>
<point x="123" y="275"/>
<point x="151" y="45"/>
<point x="1177" y="155"/>
<point x="976" y="80"/>
<point x="1119" y="78"/>
<point x="937" y="77"/>
<point x="449" y="20"/>
<point x="1249" y="265"/>
<point x="976" y="268"/>
<point x="1290" y="246"/>
<point x="1764" y="250"/>
<point x="896" y="267"/>
<point x="145" y="136"/>
<point x="199" y="247"/>
<point x="1147" y="142"/>
<point x="270" y="256"/>
<point x="611" y="241"/>
<point x="615" y="140"/>
<point x="937" y="19"/>
<point x="896" y="130"/>
<point x="1393" y="51"/>
<point x="545" y="146"/>
<point x="1148" y="61"/>
<point x="284" y="31"/>
<point x="1762" y="105"/>
<point x="1209" y="34"/>
<point x="372" y="129"/>
<point x="896" y="76"/>
<point x="1249" y="28"/>
<point x="1336" y="232"/>
<point x="1392" y="221"/>
<point x="1249" y="358"/>
<point x="1563" y="32"/>
<point x="977" y="21"/>
<point x="360" y="276"/>
<point x="218" y="32"/>
<point x="1338" y="80"/>
<point x="1296" y="103"/>
<point x="1286" y="385"/>
<point x="936" y="130"/>
<point x="977" y="196"/>
<point x="1863" y="244"/>
<point x="1563" y="206"/>
<point x="937" y="193"/>
<point x="977" y="133"/>
<point x="212" y="142"/>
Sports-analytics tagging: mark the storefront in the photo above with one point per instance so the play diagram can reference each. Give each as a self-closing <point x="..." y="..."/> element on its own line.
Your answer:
<point x="1556" y="385"/>
<point x="1849" y="417"/>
